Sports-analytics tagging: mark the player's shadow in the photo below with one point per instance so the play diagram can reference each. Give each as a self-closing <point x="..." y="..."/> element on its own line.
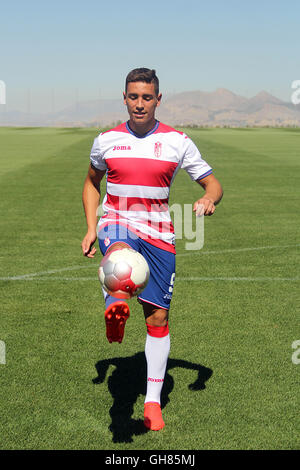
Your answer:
<point x="128" y="381"/>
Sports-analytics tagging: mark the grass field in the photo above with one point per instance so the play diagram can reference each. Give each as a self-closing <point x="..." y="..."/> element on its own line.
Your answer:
<point x="232" y="327"/>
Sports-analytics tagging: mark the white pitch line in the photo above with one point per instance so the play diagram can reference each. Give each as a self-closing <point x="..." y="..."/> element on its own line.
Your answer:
<point x="234" y="279"/>
<point x="236" y="250"/>
<point x="29" y="276"/>
<point x="44" y="273"/>
<point x="249" y="279"/>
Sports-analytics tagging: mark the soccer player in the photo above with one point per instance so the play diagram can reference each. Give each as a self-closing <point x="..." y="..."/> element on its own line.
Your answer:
<point x="140" y="159"/>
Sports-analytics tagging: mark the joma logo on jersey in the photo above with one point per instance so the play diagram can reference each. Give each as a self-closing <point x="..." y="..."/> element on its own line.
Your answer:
<point x="157" y="149"/>
<point x="122" y="147"/>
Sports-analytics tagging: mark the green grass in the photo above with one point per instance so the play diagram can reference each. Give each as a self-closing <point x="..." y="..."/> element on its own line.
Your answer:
<point x="65" y="387"/>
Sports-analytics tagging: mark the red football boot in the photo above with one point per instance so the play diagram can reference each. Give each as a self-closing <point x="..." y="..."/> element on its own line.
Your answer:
<point x="115" y="318"/>
<point x="152" y="416"/>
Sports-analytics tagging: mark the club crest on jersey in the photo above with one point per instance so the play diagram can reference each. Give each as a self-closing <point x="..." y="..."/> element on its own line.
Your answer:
<point x="106" y="241"/>
<point x="157" y="149"/>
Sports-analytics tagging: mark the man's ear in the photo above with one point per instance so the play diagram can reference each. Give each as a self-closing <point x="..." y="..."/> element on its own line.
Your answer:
<point x="124" y="97"/>
<point x="158" y="99"/>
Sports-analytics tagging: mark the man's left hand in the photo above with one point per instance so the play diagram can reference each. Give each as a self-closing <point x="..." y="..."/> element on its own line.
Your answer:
<point x="204" y="206"/>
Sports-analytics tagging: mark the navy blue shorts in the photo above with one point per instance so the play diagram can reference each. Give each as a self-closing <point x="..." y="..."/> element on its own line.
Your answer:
<point x="159" y="289"/>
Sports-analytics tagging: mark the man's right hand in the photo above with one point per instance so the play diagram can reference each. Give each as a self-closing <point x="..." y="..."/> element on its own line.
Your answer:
<point x="87" y="244"/>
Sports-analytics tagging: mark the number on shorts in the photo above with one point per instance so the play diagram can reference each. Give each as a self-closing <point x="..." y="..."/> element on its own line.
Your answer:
<point x="172" y="282"/>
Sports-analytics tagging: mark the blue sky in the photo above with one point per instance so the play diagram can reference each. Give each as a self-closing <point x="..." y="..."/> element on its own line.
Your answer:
<point x="53" y="53"/>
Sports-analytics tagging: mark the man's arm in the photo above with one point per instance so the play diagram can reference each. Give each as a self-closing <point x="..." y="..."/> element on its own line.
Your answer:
<point x="213" y="194"/>
<point x="91" y="199"/>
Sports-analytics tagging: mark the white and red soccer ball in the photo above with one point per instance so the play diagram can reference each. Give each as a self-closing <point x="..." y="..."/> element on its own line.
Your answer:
<point x="124" y="273"/>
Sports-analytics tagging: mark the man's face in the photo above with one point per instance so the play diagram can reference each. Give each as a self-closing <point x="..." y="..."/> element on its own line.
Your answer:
<point x="141" y="102"/>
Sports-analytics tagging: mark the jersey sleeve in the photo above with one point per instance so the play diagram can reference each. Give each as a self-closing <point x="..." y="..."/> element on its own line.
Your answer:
<point x="193" y="163"/>
<point x="96" y="156"/>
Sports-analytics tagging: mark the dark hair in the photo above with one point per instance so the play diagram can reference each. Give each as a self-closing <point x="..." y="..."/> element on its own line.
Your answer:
<point x="143" y="75"/>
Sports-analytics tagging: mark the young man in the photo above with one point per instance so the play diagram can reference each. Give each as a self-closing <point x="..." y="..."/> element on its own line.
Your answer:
<point x="141" y="158"/>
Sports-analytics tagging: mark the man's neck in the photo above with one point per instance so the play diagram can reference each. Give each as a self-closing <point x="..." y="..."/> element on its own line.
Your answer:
<point x="142" y="129"/>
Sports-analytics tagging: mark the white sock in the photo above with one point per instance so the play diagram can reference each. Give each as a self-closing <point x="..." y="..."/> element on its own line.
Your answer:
<point x="157" y="350"/>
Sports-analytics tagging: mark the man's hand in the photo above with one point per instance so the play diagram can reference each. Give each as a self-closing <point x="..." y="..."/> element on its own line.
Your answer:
<point x="87" y="244"/>
<point x="204" y="206"/>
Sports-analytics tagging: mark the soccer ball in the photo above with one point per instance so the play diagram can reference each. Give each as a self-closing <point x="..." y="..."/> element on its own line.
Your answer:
<point x="124" y="273"/>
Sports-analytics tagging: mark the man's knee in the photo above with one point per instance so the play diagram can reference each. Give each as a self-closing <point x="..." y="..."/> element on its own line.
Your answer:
<point x="116" y="246"/>
<point x="155" y="316"/>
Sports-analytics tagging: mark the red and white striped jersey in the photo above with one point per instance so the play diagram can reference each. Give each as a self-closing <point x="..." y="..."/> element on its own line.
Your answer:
<point x="140" y="171"/>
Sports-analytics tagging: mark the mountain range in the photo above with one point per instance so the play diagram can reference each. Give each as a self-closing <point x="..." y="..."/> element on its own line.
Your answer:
<point x="195" y="108"/>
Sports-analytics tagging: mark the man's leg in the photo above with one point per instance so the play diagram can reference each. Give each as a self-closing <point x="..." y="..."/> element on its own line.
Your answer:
<point x="157" y="350"/>
<point x="117" y="311"/>
<point x="156" y="300"/>
<point x="111" y="238"/>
